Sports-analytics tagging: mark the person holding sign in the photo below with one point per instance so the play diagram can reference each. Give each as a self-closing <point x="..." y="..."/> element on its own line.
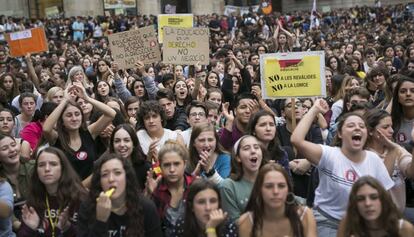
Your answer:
<point x="348" y="162"/>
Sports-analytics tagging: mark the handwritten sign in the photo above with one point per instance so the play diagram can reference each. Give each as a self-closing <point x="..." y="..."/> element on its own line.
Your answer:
<point x="186" y="45"/>
<point x="296" y="74"/>
<point x="135" y="45"/>
<point x="173" y="20"/>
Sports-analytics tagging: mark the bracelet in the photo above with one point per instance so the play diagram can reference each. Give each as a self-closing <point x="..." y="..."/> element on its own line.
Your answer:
<point x="210" y="173"/>
<point x="210" y="230"/>
<point x="199" y="71"/>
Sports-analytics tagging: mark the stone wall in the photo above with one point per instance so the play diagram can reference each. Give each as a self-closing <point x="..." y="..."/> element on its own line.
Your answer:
<point x="200" y="7"/>
<point x="148" y="7"/>
<point x="17" y="8"/>
<point x="83" y="7"/>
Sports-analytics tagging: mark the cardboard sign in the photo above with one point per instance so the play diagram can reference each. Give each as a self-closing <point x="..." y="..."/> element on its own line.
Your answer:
<point x="296" y="74"/>
<point x="27" y="41"/>
<point x="135" y="45"/>
<point x="173" y="20"/>
<point x="186" y="46"/>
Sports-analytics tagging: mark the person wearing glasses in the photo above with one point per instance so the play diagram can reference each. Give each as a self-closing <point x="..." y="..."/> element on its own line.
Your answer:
<point x="196" y="114"/>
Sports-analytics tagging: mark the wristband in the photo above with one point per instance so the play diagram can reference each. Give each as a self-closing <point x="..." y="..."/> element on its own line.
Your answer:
<point x="210" y="230"/>
<point x="210" y="173"/>
<point x="199" y="71"/>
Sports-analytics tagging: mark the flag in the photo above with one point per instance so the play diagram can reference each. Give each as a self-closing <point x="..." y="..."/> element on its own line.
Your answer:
<point x="314" y="16"/>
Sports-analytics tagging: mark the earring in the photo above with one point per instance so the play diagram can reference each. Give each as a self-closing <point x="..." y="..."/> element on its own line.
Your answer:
<point x="290" y="199"/>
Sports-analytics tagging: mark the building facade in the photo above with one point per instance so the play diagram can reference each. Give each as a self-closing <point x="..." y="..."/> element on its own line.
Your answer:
<point x="44" y="8"/>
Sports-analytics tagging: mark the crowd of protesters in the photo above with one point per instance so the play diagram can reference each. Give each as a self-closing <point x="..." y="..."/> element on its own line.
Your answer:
<point x="87" y="149"/>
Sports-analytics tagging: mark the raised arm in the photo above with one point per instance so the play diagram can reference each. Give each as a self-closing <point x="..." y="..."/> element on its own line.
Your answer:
<point x="48" y="127"/>
<point x="120" y="86"/>
<point x="149" y="81"/>
<point x="197" y="83"/>
<point x="31" y="71"/>
<point x="108" y="114"/>
<point x="313" y="151"/>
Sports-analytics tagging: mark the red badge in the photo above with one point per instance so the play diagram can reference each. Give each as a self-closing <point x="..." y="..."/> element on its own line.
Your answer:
<point x="351" y="176"/>
<point x="81" y="155"/>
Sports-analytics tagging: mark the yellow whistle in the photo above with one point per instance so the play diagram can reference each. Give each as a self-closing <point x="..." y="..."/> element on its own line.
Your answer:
<point x="110" y="192"/>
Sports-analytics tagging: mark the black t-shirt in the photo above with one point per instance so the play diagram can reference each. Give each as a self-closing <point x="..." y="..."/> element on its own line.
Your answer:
<point x="116" y="226"/>
<point x="300" y="182"/>
<point x="82" y="159"/>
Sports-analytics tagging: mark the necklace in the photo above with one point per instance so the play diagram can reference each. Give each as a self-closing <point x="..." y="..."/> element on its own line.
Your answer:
<point x="53" y="223"/>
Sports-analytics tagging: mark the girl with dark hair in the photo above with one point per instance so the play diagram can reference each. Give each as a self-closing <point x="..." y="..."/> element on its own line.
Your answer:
<point x="207" y="156"/>
<point x="263" y="126"/>
<point x="272" y="207"/>
<point x="347" y="161"/>
<point x="247" y="158"/>
<point x="54" y="197"/>
<point x="9" y="85"/>
<point x="126" y="212"/>
<point x="72" y="135"/>
<point x="371" y="212"/>
<point x="170" y="189"/>
<point x="212" y="80"/>
<point x="203" y="216"/>
<point x="402" y="111"/>
<point x="102" y="91"/>
<point x="103" y="71"/>
<point x="335" y="64"/>
<point x="124" y="141"/>
<point x="131" y="106"/>
<point x="17" y="171"/>
<point x="138" y="89"/>
<point x="396" y="159"/>
<point x="182" y="95"/>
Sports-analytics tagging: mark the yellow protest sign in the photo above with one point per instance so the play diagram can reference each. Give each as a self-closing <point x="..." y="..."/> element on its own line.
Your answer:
<point x="173" y="20"/>
<point x="296" y="74"/>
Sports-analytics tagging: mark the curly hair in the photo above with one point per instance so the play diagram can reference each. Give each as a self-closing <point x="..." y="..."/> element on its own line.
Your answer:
<point x="148" y="107"/>
<point x="356" y="225"/>
<point x="134" y="213"/>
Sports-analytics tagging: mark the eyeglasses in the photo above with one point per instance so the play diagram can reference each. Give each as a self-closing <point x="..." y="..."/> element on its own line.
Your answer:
<point x="297" y="105"/>
<point x="199" y="114"/>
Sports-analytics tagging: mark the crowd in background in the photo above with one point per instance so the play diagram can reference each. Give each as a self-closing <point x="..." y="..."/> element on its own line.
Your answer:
<point x="88" y="149"/>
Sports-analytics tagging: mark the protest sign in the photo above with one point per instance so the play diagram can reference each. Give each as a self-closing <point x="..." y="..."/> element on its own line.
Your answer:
<point x="27" y="41"/>
<point x="135" y="45"/>
<point x="173" y="20"/>
<point x="186" y="46"/>
<point x="296" y="74"/>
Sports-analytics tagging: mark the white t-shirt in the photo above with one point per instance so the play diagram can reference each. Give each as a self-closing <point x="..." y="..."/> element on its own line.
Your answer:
<point x="337" y="174"/>
<point x="187" y="136"/>
<point x="402" y="164"/>
<point x="145" y="140"/>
